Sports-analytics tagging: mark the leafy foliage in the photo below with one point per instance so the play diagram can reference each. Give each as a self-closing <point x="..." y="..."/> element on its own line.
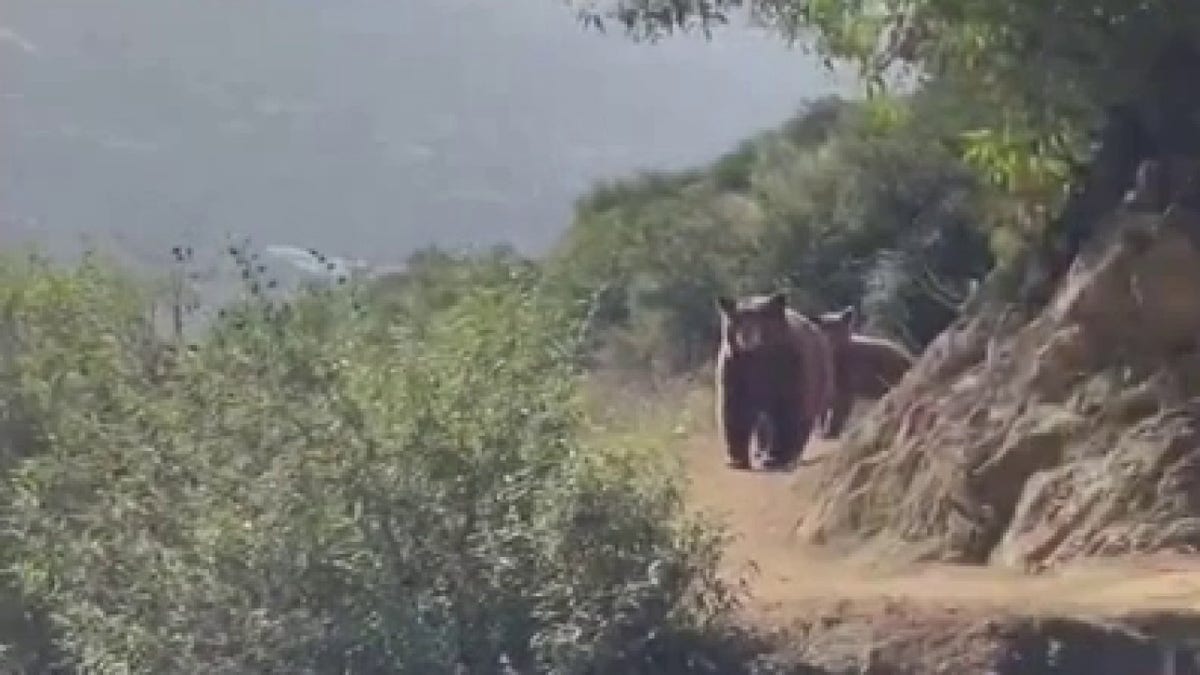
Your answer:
<point x="822" y="206"/>
<point x="1087" y="51"/>
<point x="433" y="279"/>
<point x="1040" y="73"/>
<point x="332" y="490"/>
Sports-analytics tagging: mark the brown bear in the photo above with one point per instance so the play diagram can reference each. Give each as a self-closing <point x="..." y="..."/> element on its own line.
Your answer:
<point x="863" y="367"/>
<point x="774" y="367"/>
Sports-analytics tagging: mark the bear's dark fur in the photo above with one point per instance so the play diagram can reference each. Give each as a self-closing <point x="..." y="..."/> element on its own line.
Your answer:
<point x="773" y="367"/>
<point x="863" y="367"/>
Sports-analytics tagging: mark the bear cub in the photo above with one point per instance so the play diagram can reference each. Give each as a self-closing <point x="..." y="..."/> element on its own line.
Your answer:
<point x="864" y="367"/>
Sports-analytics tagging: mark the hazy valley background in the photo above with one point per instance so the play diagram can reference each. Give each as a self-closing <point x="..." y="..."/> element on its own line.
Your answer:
<point x="367" y="128"/>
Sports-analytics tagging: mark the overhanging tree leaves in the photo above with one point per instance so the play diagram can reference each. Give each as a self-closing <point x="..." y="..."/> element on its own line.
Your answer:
<point x="1041" y="59"/>
<point x="1048" y="71"/>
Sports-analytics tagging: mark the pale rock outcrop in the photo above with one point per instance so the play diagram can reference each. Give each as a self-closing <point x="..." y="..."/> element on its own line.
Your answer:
<point x="1026" y="443"/>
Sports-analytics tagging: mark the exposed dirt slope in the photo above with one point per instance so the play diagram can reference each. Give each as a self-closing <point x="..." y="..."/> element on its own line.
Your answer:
<point x="1031" y="442"/>
<point x="760" y="510"/>
<point x="837" y="614"/>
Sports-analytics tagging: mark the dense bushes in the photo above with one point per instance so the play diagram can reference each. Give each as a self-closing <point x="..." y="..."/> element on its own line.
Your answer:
<point x="330" y="490"/>
<point x="848" y="203"/>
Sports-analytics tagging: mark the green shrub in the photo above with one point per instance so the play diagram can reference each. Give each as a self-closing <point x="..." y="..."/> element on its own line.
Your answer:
<point x="333" y="490"/>
<point x="732" y="171"/>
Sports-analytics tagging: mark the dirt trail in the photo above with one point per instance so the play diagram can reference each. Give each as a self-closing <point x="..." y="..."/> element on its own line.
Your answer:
<point x="787" y="579"/>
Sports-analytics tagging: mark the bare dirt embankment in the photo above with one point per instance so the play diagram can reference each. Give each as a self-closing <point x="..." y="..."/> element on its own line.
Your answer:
<point x="852" y="613"/>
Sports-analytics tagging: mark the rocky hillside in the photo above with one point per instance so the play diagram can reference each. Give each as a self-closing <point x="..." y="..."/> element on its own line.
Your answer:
<point x="1029" y="441"/>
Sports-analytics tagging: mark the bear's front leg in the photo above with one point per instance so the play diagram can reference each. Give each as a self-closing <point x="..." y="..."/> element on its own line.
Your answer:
<point x="791" y="431"/>
<point x="838" y="414"/>
<point x="737" y="412"/>
<point x="737" y="424"/>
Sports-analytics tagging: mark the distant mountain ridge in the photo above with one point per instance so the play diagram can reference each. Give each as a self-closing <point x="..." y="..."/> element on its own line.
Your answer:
<point x="370" y="126"/>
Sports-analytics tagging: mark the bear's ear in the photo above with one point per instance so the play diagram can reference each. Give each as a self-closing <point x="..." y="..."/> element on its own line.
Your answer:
<point x="726" y="305"/>
<point x="777" y="302"/>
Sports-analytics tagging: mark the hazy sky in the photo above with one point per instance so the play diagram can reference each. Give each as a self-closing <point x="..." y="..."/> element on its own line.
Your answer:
<point x="365" y="127"/>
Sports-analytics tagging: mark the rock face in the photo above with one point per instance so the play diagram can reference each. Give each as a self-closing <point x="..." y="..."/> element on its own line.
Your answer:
<point x="1076" y="433"/>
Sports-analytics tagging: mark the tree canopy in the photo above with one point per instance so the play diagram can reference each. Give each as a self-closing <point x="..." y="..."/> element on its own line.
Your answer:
<point x="1045" y="70"/>
<point x="1085" y="50"/>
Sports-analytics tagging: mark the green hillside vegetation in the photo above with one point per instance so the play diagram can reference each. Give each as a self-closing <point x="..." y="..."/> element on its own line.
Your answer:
<point x="406" y="474"/>
<point x="845" y="204"/>
<point x="1065" y="98"/>
<point x="410" y="475"/>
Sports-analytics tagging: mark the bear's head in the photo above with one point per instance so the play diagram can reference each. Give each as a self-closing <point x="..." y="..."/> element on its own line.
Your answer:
<point x="753" y="322"/>
<point x="837" y="326"/>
